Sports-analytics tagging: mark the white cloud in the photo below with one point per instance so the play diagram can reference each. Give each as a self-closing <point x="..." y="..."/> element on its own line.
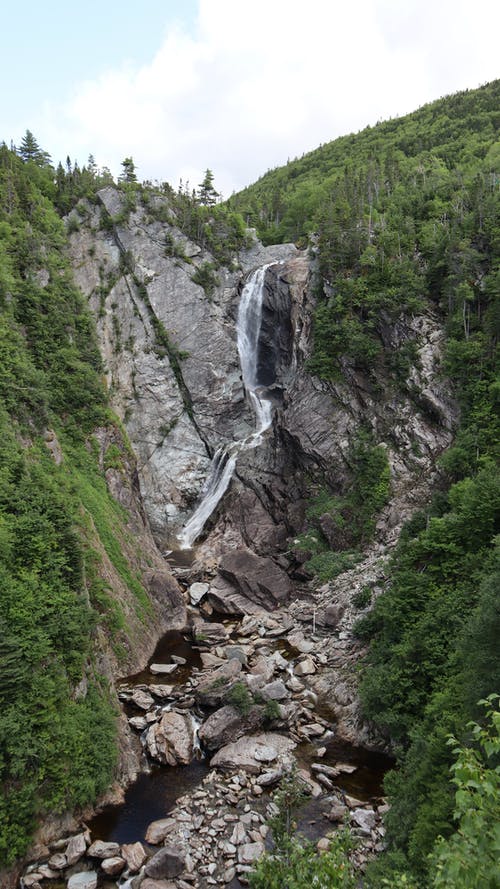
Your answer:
<point x="259" y="82"/>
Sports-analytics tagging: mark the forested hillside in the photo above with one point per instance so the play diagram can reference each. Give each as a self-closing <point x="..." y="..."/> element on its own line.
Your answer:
<point x="57" y="520"/>
<point x="404" y="218"/>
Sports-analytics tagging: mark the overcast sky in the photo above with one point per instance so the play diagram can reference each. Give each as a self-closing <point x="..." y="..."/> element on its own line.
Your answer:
<point x="182" y="85"/>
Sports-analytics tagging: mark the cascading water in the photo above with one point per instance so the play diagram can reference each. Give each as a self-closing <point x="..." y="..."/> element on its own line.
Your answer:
<point x="224" y="461"/>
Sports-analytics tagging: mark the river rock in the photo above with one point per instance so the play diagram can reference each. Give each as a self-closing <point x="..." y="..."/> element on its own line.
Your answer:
<point x="100" y="849"/>
<point x="113" y="866"/>
<point x="197" y="591"/>
<point x="228" y="724"/>
<point x="142" y="699"/>
<point x="83" y="880"/>
<point x="235" y="651"/>
<point x="167" y="862"/>
<point x="138" y="722"/>
<point x="161" y="691"/>
<point x="158" y="830"/>
<point x="162" y="668"/>
<point x="249" y="853"/>
<point x="171" y="740"/>
<point x="364" y="818"/>
<point x="135" y="855"/>
<point x="296" y="640"/>
<point x="332" y="616"/>
<point x="244" y="753"/>
<point x="58" y="861"/>
<point x="148" y="883"/>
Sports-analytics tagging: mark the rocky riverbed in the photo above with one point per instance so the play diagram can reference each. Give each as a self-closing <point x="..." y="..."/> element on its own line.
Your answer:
<point x="251" y="702"/>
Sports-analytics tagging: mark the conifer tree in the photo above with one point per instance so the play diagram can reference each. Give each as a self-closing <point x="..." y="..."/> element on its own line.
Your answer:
<point x="30" y="150"/>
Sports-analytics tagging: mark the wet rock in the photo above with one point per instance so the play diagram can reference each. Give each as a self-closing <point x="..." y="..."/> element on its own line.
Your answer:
<point x="32" y="881"/>
<point x="159" y="830"/>
<point x="228" y="724"/>
<point x="113" y="866"/>
<point x="142" y="699"/>
<point x="162" y="668"/>
<point x="83" y="880"/>
<point x="171" y="740"/>
<point x="167" y="862"/>
<point x="100" y="849"/>
<point x="138" y="722"/>
<point x="161" y="691"/>
<point x="135" y="856"/>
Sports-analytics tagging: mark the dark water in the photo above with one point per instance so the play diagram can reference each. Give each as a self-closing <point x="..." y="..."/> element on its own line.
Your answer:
<point x="171" y="643"/>
<point x="151" y="797"/>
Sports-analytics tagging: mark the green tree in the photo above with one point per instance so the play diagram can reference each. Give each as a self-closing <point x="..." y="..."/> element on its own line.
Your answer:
<point x="207" y="195"/>
<point x="471" y="856"/>
<point x="128" y="174"/>
<point x="30" y="150"/>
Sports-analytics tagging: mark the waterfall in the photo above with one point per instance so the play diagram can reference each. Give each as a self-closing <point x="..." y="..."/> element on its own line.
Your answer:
<point x="224" y="460"/>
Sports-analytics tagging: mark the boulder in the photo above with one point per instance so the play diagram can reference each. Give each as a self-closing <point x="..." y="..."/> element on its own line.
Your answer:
<point x="209" y="634"/>
<point x="275" y="691"/>
<point x="249" y="853"/>
<point x="364" y="818"/>
<point x="142" y="699"/>
<point x="162" y="668"/>
<point x="250" y="752"/>
<point x="211" y="692"/>
<point x="113" y="866"/>
<point x="196" y="592"/>
<point x="247" y="582"/>
<point x="158" y="830"/>
<point x="166" y="863"/>
<point x="100" y="849"/>
<point x="228" y="724"/>
<point x="171" y="740"/>
<point x="333" y="614"/>
<point x="135" y="856"/>
<point x="83" y="880"/>
<point x="305" y="667"/>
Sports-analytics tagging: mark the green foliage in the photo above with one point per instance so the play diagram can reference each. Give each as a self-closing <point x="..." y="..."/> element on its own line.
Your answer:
<point x="336" y="524"/>
<point x="205" y="276"/>
<point x="240" y="698"/>
<point x="294" y="863"/>
<point x="301" y="866"/>
<point x="471" y="856"/>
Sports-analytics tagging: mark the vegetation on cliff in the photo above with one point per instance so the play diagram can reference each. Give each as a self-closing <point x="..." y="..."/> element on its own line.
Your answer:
<point x="57" y="720"/>
<point x="404" y="218"/>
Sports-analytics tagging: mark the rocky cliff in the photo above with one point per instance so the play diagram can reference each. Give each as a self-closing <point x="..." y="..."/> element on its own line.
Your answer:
<point x="174" y="376"/>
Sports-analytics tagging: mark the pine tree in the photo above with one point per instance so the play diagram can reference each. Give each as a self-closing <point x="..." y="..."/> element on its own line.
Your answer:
<point x="207" y="194"/>
<point x="30" y="150"/>
<point x="129" y="174"/>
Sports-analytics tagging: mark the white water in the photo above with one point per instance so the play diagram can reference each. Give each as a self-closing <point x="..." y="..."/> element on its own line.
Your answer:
<point x="224" y="460"/>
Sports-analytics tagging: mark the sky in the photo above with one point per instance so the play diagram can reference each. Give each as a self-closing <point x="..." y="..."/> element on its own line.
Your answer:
<point x="238" y="88"/>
